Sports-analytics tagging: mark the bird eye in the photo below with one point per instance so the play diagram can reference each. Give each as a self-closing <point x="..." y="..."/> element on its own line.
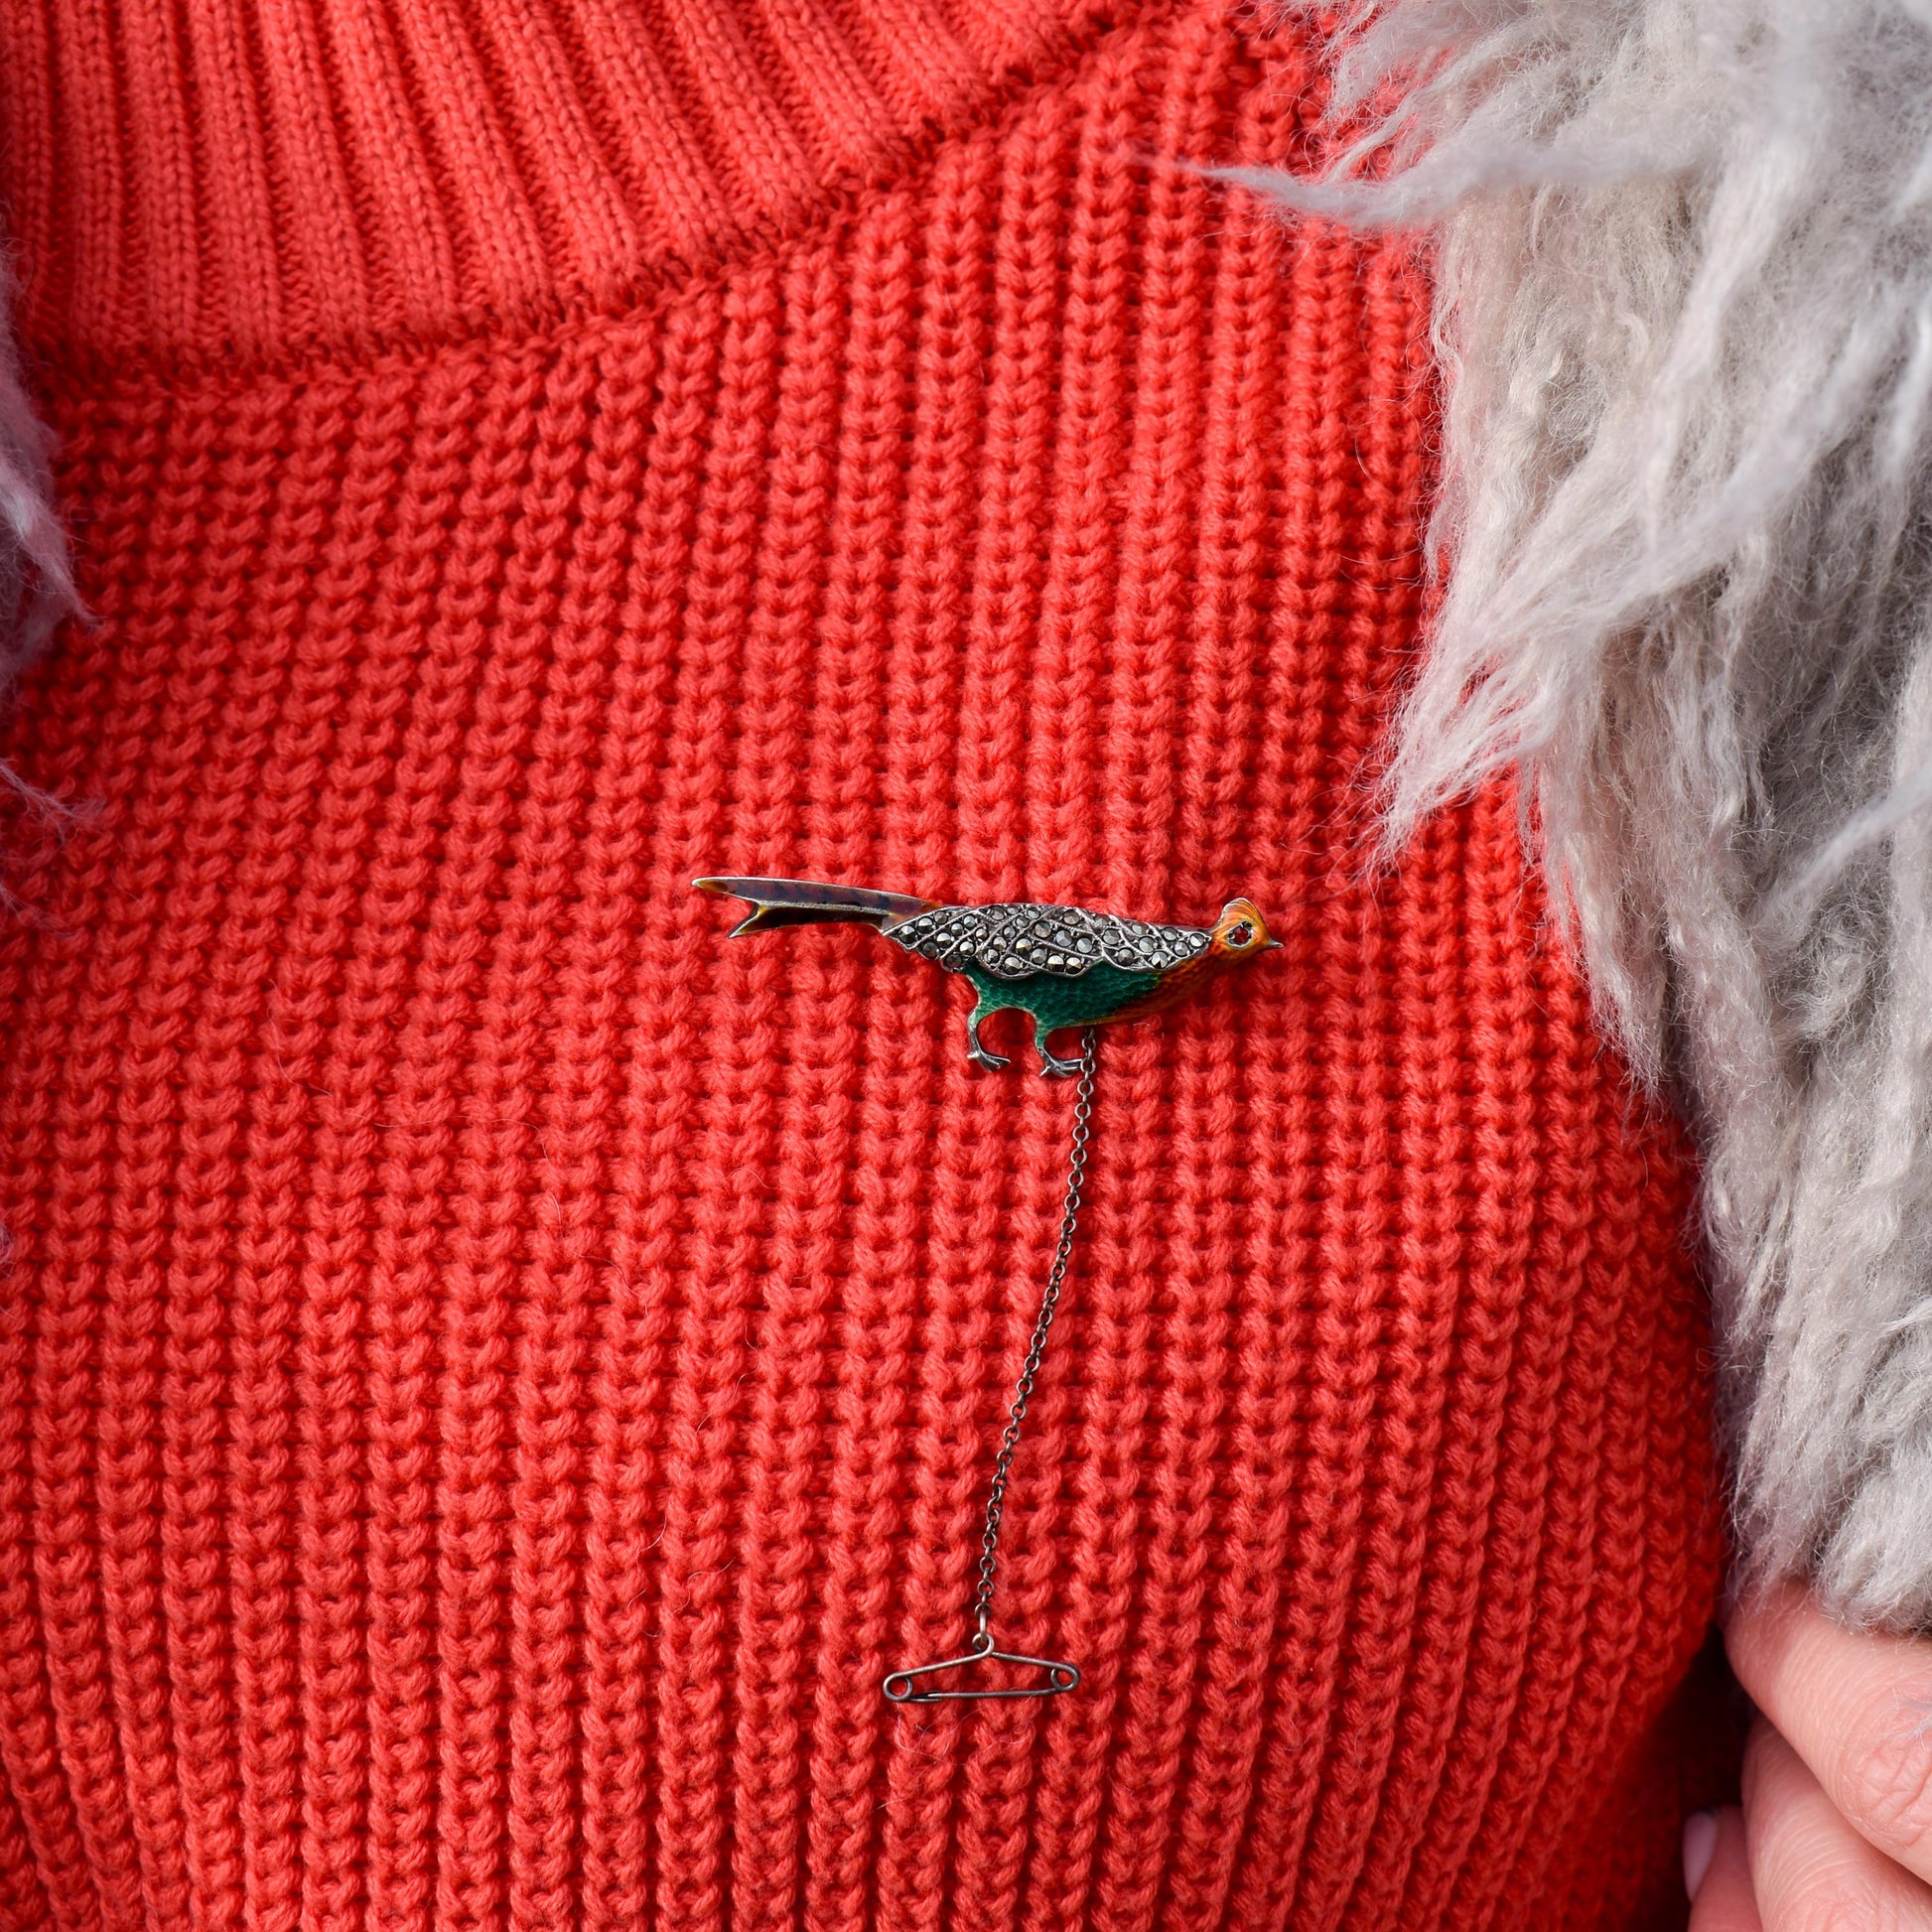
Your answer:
<point x="1239" y="935"/>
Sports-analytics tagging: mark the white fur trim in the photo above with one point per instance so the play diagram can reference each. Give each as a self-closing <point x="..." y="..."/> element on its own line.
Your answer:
<point x="36" y="585"/>
<point x="1684" y="263"/>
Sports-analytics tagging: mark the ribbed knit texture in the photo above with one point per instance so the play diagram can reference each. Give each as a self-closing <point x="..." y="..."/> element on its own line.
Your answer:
<point x="493" y="1373"/>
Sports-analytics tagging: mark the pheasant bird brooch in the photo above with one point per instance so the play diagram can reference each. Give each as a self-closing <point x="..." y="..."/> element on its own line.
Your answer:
<point x="1063" y="965"/>
<point x="1068" y="968"/>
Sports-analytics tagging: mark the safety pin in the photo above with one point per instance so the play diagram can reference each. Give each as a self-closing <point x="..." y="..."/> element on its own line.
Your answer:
<point x="1059" y="1676"/>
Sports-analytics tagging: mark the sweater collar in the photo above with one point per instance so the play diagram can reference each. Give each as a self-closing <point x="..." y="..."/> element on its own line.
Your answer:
<point x="209" y="182"/>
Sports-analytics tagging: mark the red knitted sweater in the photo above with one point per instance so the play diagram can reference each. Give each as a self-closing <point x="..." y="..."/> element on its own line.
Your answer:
<point x="490" y="1374"/>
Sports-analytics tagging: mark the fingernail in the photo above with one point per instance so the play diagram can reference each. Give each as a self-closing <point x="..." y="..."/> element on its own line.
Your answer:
<point x="1699" y="1842"/>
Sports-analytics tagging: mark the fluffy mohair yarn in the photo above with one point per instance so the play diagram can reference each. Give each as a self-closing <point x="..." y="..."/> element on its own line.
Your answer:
<point x="1683" y="254"/>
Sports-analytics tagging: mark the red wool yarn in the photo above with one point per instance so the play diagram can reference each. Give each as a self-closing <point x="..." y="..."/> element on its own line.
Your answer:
<point x="491" y="1375"/>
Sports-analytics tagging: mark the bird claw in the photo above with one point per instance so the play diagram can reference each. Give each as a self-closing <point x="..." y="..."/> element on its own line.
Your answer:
<point x="978" y="1053"/>
<point x="1050" y="1066"/>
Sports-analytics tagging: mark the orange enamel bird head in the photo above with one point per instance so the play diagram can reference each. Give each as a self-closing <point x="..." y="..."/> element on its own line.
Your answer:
<point x="1240" y="933"/>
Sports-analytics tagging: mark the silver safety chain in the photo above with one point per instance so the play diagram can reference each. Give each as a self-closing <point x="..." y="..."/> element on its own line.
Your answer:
<point x="924" y="1683"/>
<point x="1049" y="1301"/>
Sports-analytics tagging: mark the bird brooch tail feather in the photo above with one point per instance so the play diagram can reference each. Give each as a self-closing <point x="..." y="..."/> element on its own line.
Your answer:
<point x="805" y="902"/>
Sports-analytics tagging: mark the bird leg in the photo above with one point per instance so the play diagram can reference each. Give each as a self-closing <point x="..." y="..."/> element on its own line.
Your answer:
<point x="979" y="1054"/>
<point x="1050" y="1066"/>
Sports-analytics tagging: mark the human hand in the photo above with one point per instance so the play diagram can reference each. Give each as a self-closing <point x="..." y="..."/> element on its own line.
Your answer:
<point x="1836" y="1830"/>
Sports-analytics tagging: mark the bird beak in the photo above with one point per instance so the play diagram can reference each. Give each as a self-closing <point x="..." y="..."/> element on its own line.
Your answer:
<point x="1274" y="946"/>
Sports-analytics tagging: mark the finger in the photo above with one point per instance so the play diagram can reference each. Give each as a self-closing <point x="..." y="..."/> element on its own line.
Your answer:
<point x="1810" y="1871"/>
<point x="1722" y="1900"/>
<point x="1858" y="1708"/>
